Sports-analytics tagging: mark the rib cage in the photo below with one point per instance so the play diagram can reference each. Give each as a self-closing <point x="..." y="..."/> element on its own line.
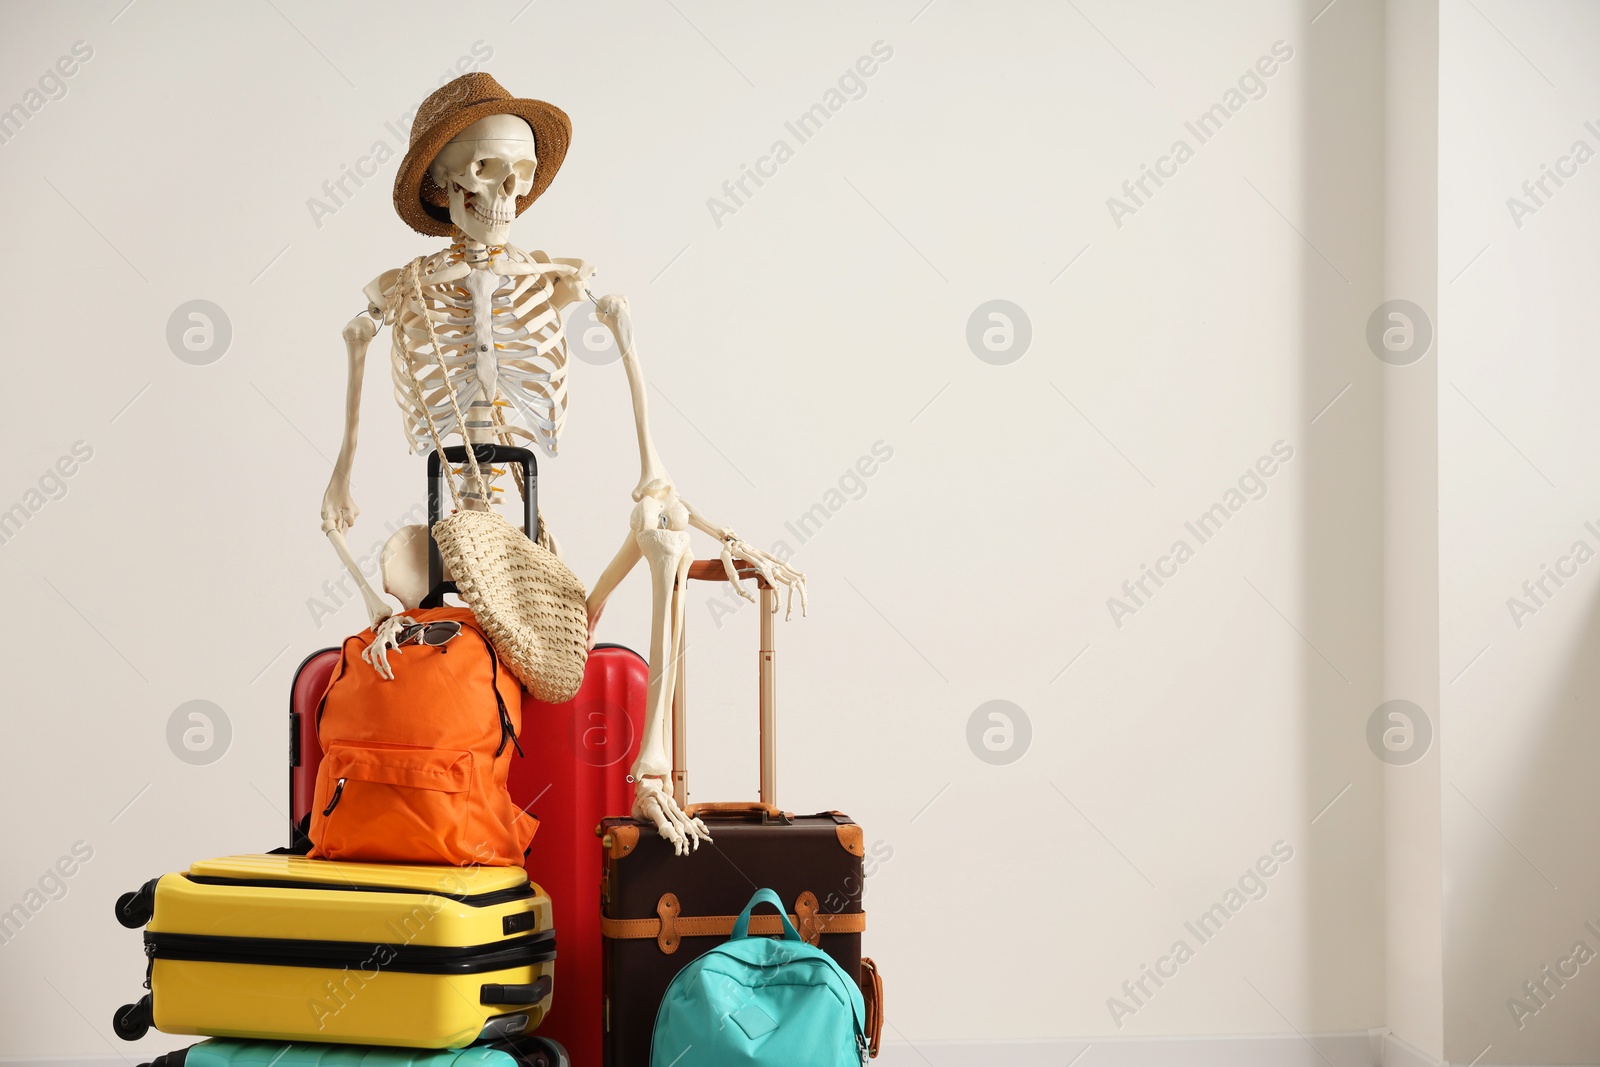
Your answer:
<point x="528" y="373"/>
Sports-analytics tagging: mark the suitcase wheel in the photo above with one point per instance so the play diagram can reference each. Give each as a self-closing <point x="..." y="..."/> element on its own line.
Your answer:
<point x="174" y="1058"/>
<point x="553" y="1054"/>
<point x="136" y="908"/>
<point x="133" y="1021"/>
<point x="531" y="1051"/>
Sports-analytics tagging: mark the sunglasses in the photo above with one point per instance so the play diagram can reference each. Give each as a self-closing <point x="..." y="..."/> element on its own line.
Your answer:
<point x="428" y="633"/>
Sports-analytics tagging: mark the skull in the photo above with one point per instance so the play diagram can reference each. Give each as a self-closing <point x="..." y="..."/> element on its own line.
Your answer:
<point x="485" y="168"/>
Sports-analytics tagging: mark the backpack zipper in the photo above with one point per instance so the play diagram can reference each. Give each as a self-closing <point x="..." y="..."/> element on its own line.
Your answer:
<point x="507" y="731"/>
<point x="338" y="791"/>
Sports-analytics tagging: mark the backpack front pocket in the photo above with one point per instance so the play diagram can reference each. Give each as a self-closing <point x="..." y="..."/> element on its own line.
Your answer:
<point x="380" y="803"/>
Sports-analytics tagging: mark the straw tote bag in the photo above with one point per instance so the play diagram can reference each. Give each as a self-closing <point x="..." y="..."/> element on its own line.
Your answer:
<point x="529" y="604"/>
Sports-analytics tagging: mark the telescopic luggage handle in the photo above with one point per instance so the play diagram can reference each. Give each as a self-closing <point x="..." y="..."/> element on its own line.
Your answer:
<point x="712" y="570"/>
<point x="491" y="454"/>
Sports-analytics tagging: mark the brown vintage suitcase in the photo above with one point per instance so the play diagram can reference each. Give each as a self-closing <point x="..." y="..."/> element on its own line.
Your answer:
<point x="660" y="911"/>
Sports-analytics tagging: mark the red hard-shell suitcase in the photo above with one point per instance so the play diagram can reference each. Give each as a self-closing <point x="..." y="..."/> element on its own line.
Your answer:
<point x="305" y="751"/>
<point x="573" y="772"/>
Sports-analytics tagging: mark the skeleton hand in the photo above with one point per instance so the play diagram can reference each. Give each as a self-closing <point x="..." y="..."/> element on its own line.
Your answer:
<point x="777" y="575"/>
<point x="386" y="635"/>
<point x="652" y="803"/>
<point x="339" y="509"/>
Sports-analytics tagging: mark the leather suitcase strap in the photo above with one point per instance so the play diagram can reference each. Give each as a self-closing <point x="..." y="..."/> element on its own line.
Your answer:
<point x="872" y="995"/>
<point x="670" y="926"/>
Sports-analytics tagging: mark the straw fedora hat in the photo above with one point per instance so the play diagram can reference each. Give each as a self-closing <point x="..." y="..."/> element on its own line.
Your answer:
<point x="452" y="108"/>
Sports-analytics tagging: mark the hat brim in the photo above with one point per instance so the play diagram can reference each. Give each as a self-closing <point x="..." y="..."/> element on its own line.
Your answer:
<point x="427" y="210"/>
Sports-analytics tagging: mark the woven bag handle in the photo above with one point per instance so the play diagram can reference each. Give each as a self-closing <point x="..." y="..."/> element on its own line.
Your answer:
<point x="503" y="432"/>
<point x="413" y="272"/>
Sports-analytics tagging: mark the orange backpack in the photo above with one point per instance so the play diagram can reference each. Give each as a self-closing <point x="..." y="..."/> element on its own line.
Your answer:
<point x="414" y="767"/>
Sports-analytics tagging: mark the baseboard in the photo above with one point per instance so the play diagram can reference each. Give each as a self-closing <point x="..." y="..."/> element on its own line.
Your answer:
<point x="1359" y="1049"/>
<point x="1376" y="1048"/>
<point x="1398" y="1053"/>
<point x="1331" y="1050"/>
<point x="1273" y="1050"/>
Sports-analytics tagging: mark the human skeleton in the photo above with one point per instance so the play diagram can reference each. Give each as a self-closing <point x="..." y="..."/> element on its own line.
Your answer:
<point x="496" y="320"/>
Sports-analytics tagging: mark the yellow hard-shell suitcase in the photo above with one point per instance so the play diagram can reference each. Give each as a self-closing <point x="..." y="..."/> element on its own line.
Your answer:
<point x="285" y="948"/>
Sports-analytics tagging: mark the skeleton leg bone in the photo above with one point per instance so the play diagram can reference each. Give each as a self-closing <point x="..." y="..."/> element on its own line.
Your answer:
<point x="663" y="540"/>
<point x="403" y="565"/>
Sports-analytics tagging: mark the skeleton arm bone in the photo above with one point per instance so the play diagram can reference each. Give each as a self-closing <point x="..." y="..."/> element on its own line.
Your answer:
<point x="624" y="561"/>
<point x="654" y="479"/>
<point x="613" y="312"/>
<point x="653" y="476"/>
<point x="339" y="509"/>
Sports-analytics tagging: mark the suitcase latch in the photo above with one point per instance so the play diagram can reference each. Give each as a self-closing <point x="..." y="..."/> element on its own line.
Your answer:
<point x="516" y="924"/>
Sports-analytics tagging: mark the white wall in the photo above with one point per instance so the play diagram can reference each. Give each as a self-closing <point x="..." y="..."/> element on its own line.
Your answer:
<point x="1413" y="848"/>
<point x="1518" y="385"/>
<point x="828" y="313"/>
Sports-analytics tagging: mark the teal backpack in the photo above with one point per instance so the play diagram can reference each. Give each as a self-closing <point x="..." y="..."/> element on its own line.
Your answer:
<point x="759" y="1000"/>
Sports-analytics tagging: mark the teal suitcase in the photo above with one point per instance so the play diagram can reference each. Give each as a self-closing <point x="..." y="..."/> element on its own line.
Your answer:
<point x="523" y="1051"/>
